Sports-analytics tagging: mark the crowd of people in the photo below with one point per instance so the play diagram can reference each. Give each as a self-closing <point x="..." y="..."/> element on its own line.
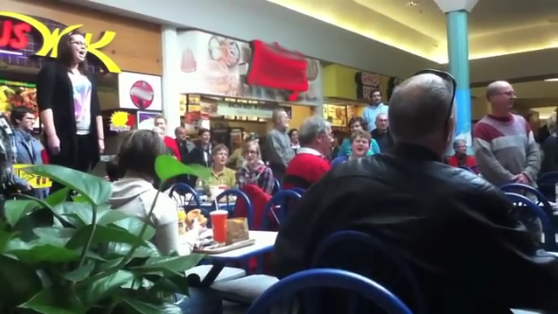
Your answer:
<point x="453" y="228"/>
<point x="389" y="179"/>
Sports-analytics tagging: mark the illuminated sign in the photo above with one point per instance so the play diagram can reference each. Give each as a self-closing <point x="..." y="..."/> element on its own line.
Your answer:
<point x="15" y="35"/>
<point x="367" y="84"/>
<point x="37" y="182"/>
<point x="121" y="121"/>
<point x="142" y="94"/>
<point x="274" y="67"/>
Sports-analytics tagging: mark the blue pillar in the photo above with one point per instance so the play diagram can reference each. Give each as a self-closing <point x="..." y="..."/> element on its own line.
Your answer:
<point x="458" y="51"/>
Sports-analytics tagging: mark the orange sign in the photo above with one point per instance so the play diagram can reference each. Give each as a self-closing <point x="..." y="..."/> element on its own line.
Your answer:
<point x="50" y="38"/>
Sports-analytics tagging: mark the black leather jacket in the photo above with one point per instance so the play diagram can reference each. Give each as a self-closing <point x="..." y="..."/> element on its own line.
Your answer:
<point x="453" y="228"/>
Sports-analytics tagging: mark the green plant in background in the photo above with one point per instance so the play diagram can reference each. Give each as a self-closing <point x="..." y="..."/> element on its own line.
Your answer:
<point x="73" y="257"/>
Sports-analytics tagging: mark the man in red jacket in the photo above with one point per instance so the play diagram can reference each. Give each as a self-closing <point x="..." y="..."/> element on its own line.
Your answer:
<point x="460" y="158"/>
<point x="161" y="123"/>
<point x="310" y="163"/>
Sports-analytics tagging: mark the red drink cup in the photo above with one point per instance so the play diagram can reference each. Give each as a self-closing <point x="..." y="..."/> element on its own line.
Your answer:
<point x="219" y="222"/>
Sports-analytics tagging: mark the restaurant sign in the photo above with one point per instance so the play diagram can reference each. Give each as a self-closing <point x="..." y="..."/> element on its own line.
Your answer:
<point x="17" y="30"/>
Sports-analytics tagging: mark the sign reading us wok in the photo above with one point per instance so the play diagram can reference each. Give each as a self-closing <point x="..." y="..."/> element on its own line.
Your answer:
<point x="17" y="38"/>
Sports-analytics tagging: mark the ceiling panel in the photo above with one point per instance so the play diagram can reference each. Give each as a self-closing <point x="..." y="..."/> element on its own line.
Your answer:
<point x="497" y="27"/>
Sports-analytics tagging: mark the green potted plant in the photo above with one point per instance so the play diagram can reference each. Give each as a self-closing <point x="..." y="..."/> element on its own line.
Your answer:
<point x="72" y="257"/>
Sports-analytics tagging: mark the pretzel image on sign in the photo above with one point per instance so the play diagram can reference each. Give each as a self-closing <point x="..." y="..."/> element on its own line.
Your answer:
<point x="37" y="182"/>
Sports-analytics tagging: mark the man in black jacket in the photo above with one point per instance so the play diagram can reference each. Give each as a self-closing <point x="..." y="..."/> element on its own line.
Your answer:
<point x="452" y="228"/>
<point x="381" y="133"/>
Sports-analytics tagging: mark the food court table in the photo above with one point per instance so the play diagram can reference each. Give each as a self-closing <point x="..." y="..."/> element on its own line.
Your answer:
<point x="264" y="242"/>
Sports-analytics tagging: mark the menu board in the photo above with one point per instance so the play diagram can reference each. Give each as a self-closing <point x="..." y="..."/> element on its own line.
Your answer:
<point x="351" y="112"/>
<point x="336" y="114"/>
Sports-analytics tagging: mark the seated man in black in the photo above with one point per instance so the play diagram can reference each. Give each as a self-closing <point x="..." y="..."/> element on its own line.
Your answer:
<point x="451" y="227"/>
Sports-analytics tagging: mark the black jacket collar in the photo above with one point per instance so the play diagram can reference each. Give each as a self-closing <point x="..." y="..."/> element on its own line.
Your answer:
<point x="413" y="151"/>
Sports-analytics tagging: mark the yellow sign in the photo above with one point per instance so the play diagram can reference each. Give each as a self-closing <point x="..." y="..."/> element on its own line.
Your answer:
<point x="51" y="39"/>
<point x="120" y="121"/>
<point x="336" y="114"/>
<point x="37" y="182"/>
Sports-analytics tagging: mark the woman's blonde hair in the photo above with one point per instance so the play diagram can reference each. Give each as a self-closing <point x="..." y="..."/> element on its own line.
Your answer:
<point x="248" y="144"/>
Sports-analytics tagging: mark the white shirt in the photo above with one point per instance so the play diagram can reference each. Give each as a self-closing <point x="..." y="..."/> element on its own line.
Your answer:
<point x="309" y="150"/>
<point x="82" y="102"/>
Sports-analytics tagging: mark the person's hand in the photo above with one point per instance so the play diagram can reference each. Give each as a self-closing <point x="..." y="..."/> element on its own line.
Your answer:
<point x="101" y="146"/>
<point x="522" y="178"/>
<point x="24" y="186"/>
<point x="53" y="144"/>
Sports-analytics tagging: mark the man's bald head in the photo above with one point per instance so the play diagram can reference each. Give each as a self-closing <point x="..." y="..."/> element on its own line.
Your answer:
<point x="501" y="96"/>
<point x="180" y="133"/>
<point x="495" y="88"/>
<point x="419" y="108"/>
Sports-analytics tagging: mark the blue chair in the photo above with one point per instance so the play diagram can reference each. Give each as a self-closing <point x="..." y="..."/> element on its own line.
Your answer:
<point x="239" y="195"/>
<point x="179" y="193"/>
<point x="548" y="229"/>
<point x="367" y="242"/>
<point x="276" y="186"/>
<point x="298" y="190"/>
<point x="288" y="288"/>
<point x="280" y="199"/>
<point x="524" y="189"/>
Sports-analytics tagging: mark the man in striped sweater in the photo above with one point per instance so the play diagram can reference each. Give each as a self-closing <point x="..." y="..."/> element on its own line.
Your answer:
<point x="505" y="147"/>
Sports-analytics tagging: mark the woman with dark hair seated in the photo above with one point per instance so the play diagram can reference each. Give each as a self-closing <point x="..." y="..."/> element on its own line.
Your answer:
<point x="134" y="193"/>
<point x="356" y="124"/>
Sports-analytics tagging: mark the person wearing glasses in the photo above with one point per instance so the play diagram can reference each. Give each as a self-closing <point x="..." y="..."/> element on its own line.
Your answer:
<point x="69" y="107"/>
<point x="254" y="170"/>
<point x="451" y="228"/>
<point x="310" y="163"/>
<point x="505" y="146"/>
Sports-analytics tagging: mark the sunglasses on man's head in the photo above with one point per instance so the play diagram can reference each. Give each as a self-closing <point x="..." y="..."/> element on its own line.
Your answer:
<point x="446" y="76"/>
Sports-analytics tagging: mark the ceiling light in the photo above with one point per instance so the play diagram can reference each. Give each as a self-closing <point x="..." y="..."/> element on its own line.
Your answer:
<point x="412" y="3"/>
<point x="552" y="79"/>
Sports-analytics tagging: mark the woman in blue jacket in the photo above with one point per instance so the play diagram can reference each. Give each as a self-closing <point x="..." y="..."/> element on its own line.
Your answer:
<point x="357" y="123"/>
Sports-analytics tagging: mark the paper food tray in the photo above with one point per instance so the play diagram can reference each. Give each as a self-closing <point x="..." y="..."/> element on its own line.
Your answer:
<point x="226" y="248"/>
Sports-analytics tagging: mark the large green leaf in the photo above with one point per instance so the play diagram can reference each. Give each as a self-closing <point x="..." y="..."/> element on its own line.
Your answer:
<point x="171" y="284"/>
<point x="95" y="189"/>
<point x="104" y="234"/>
<point x="36" y="252"/>
<point x="80" y="273"/>
<point x="5" y="237"/>
<point x="18" y="281"/>
<point x="118" y="250"/>
<point x="95" y="289"/>
<point x="58" y="197"/>
<point x="54" y="235"/>
<point x="84" y="213"/>
<point x="168" y="167"/>
<point x="54" y="232"/>
<point x="51" y="301"/>
<point x="175" y="264"/>
<point x="149" y="308"/>
<point x="134" y="226"/>
<point x="16" y="209"/>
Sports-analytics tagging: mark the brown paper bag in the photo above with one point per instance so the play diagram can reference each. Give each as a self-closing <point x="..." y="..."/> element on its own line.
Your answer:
<point x="237" y="230"/>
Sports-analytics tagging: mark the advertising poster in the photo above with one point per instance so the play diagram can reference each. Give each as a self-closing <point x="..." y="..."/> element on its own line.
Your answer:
<point x="217" y="65"/>
<point x="146" y="120"/>
<point x="139" y="91"/>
